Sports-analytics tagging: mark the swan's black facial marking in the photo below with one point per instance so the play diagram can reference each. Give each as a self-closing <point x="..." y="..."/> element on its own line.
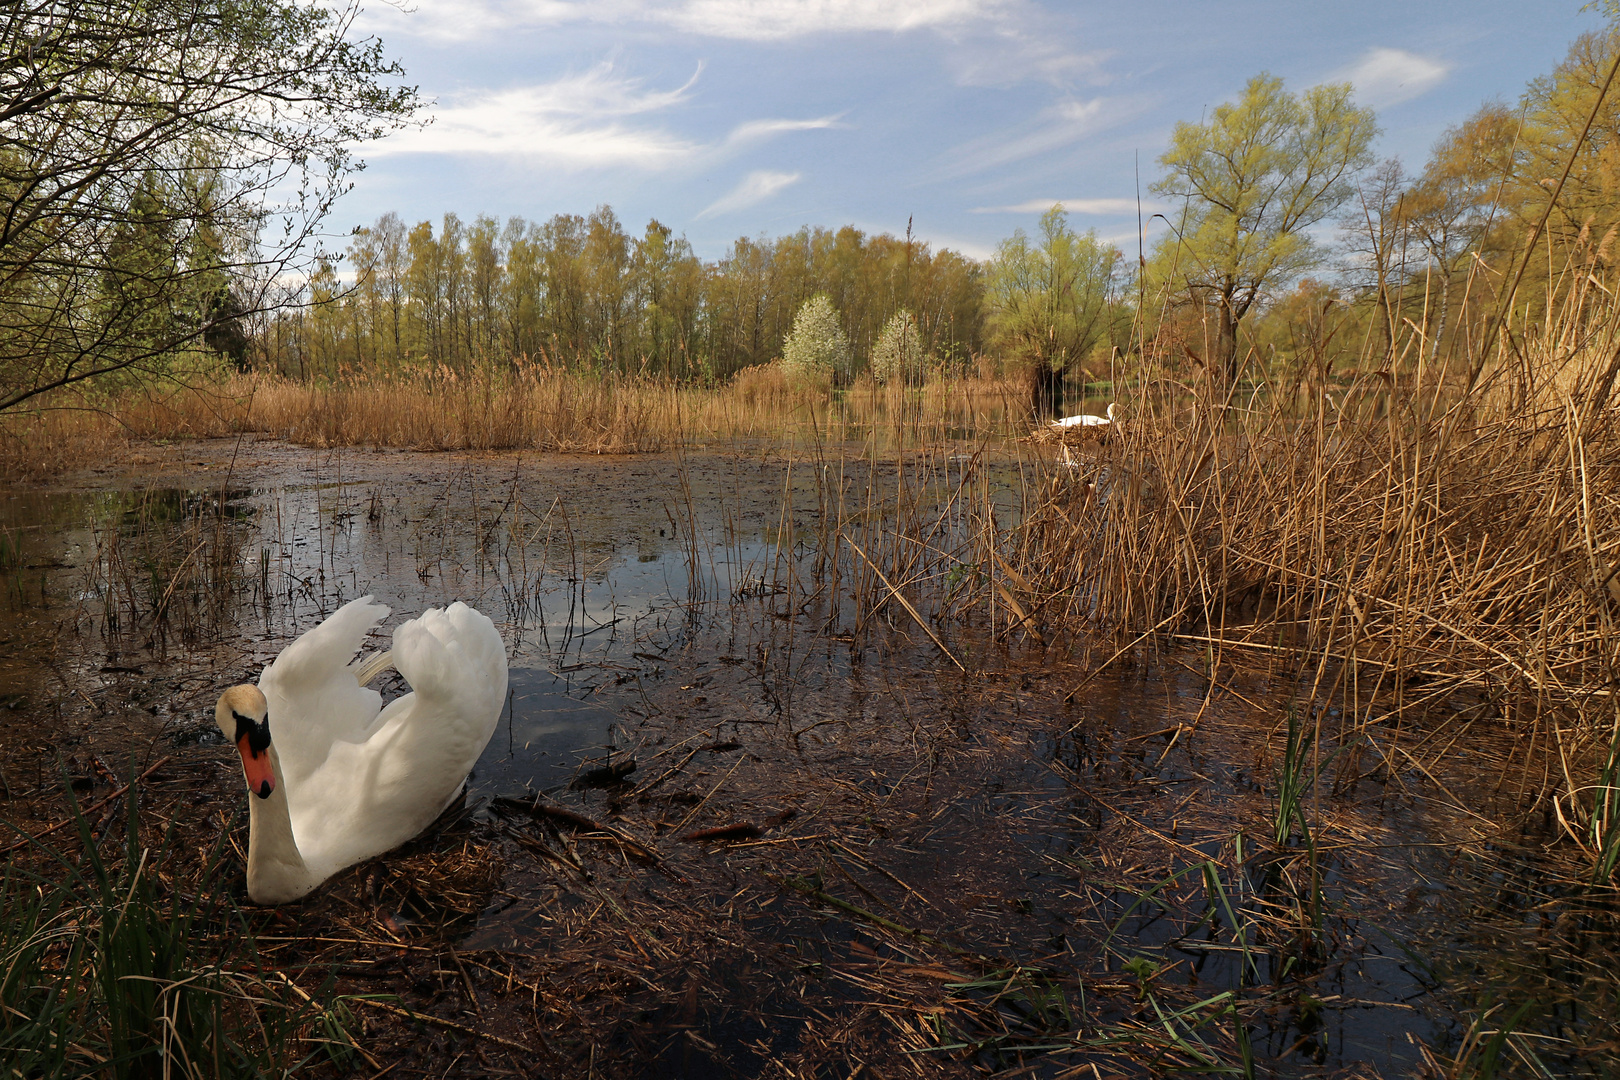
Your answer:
<point x="256" y="732"/>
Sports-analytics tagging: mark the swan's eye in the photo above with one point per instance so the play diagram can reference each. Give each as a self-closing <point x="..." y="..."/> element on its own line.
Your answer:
<point x="255" y="732"/>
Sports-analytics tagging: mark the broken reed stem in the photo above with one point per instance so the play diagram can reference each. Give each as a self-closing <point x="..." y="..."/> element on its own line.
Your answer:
<point x="92" y="808"/>
<point x="429" y="1018"/>
<point x="894" y="592"/>
<point x="705" y="800"/>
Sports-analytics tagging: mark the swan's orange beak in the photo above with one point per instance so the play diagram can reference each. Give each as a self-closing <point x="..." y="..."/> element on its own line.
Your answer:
<point x="253" y="743"/>
<point x="261" y="780"/>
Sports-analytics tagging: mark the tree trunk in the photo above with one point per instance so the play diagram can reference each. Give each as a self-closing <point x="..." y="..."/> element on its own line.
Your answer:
<point x="1045" y="388"/>
<point x="1228" y="339"/>
<point x="1445" y="312"/>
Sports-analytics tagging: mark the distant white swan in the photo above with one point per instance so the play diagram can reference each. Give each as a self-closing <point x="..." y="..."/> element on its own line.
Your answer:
<point x="1086" y="419"/>
<point x="345" y="779"/>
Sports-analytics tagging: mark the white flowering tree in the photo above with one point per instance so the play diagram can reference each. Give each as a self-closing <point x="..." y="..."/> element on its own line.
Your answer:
<point x="816" y="350"/>
<point x="897" y="356"/>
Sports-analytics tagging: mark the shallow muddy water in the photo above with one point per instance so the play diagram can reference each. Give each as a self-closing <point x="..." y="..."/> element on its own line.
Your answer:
<point x="839" y="848"/>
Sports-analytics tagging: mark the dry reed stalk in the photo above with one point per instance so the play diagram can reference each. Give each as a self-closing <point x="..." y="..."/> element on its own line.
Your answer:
<point x="1405" y="526"/>
<point x="503" y="407"/>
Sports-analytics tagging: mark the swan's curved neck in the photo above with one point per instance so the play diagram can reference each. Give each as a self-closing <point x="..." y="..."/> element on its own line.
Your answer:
<point x="276" y="872"/>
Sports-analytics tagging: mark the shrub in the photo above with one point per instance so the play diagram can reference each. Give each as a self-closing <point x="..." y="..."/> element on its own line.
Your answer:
<point x="816" y="350"/>
<point x="898" y="356"/>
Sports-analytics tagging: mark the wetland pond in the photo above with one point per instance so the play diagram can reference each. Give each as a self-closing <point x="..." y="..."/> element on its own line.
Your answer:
<point x="735" y="823"/>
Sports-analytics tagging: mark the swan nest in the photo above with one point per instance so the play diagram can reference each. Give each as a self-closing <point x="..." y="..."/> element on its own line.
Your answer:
<point x="1074" y="435"/>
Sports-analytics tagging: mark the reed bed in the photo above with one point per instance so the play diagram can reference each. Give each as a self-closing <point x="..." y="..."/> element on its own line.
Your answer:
<point x="113" y="967"/>
<point x="503" y="407"/>
<point x="897" y="548"/>
<point x="1406" y="531"/>
<point x="1414" y="540"/>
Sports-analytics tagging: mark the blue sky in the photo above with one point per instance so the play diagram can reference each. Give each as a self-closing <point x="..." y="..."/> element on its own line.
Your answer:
<point x="727" y="118"/>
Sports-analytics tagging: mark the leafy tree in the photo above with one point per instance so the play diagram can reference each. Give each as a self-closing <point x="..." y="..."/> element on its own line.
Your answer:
<point x="1051" y="299"/>
<point x="522" y="289"/>
<point x="898" y="355"/>
<point x="1556" y="109"/>
<point x="818" y="349"/>
<point x="1253" y="182"/>
<point x="174" y="128"/>
<point x="1454" y="203"/>
<point x="580" y="291"/>
<point x="138" y="307"/>
<point x="606" y="265"/>
<point x="484" y="258"/>
<point x="667" y="293"/>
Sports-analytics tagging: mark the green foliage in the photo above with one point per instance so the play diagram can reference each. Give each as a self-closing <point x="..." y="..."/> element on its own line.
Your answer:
<point x="111" y="969"/>
<point x="1053" y="299"/>
<point x="583" y="293"/>
<point x="1050" y="298"/>
<point x="1253" y="182"/>
<point x="817" y="351"/>
<point x="145" y="147"/>
<point x="898" y="354"/>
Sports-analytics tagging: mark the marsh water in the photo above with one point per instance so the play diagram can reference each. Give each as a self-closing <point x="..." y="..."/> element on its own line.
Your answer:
<point x="961" y="855"/>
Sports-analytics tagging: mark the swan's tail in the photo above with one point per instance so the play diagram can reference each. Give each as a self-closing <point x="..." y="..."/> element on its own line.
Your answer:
<point x="372" y="666"/>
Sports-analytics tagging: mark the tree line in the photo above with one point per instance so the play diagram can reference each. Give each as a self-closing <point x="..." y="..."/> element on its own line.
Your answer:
<point x="583" y="292"/>
<point x="1284" y="242"/>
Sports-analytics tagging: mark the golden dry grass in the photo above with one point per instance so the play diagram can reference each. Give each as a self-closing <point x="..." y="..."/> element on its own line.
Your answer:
<point x="499" y="408"/>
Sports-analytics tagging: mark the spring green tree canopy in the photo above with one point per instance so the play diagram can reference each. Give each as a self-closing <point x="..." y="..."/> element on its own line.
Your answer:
<point x="1453" y="206"/>
<point x="162" y="165"/>
<point x="1051" y="297"/>
<point x="584" y="292"/>
<point x="1253" y="181"/>
<point x="1556" y="108"/>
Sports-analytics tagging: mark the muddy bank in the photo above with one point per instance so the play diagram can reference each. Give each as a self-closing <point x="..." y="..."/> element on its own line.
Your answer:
<point x="839" y="848"/>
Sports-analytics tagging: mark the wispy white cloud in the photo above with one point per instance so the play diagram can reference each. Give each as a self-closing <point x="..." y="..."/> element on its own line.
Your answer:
<point x="1127" y="241"/>
<point x="987" y="42"/>
<point x="597" y="119"/>
<point x="1054" y="128"/>
<point x="739" y="20"/>
<point x="750" y="130"/>
<point x="451" y="21"/>
<point x="973" y="249"/>
<point x="768" y="20"/>
<point x="580" y="121"/>
<point x="755" y="188"/>
<point x="1099" y="207"/>
<point x="1025" y="42"/>
<point x="1385" y="76"/>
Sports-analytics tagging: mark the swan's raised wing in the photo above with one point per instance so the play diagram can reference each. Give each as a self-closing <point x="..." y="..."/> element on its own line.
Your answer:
<point x="375" y="792"/>
<point x="312" y="693"/>
<point x="455" y="662"/>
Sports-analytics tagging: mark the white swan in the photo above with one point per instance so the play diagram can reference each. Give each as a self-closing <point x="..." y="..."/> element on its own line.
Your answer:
<point x="345" y="779"/>
<point x="1086" y="419"/>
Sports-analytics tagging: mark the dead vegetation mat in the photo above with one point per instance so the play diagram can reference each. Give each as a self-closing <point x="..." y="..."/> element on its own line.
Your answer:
<point x="824" y="861"/>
